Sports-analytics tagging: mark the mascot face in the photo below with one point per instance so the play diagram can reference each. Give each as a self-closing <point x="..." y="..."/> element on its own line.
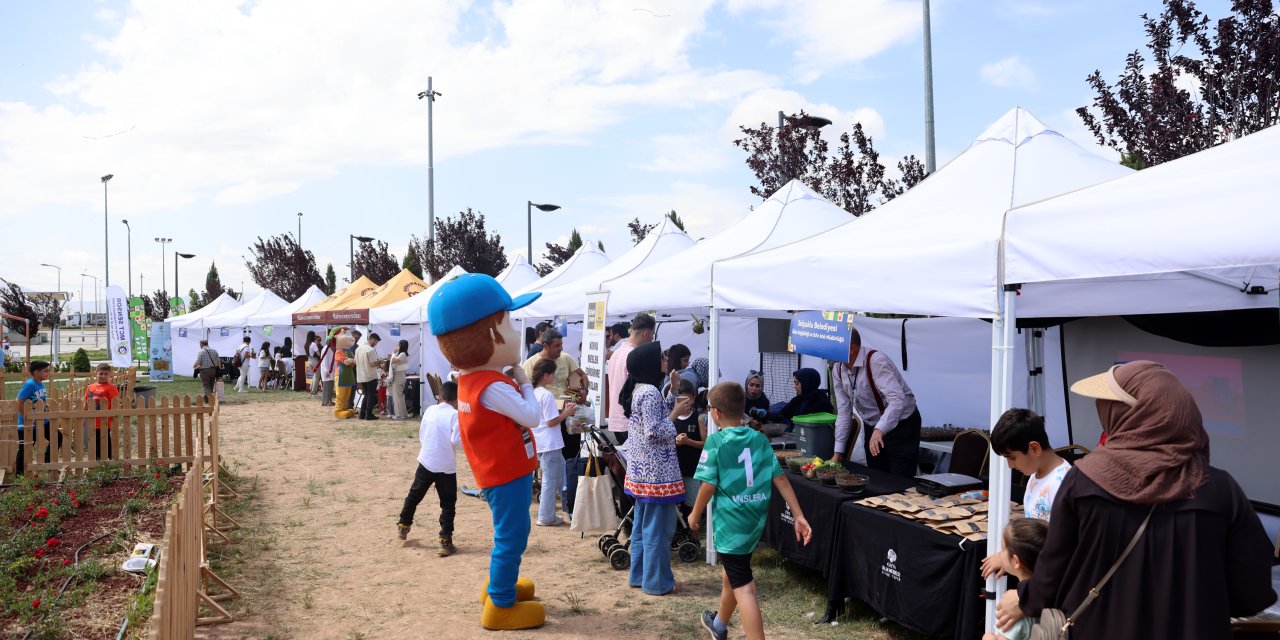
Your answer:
<point x="346" y="339"/>
<point x="507" y="353"/>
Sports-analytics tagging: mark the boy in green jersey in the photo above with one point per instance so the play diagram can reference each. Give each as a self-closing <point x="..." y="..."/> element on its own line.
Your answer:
<point x="738" y="468"/>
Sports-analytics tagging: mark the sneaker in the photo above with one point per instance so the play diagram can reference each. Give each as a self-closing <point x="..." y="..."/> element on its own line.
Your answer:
<point x="554" y="523"/>
<point x="446" y="547"/>
<point x="404" y="530"/>
<point x="709" y="623"/>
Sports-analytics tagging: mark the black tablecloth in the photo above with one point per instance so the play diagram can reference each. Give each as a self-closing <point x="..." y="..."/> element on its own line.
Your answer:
<point x="820" y="504"/>
<point x="920" y="578"/>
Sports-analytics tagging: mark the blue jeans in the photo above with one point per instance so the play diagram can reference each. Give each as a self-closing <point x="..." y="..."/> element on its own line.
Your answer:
<point x="651" y="532"/>
<point x="552" y="463"/>
<point x="509" y="504"/>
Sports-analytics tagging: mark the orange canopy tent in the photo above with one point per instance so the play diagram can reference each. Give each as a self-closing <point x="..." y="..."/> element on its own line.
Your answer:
<point x="339" y="300"/>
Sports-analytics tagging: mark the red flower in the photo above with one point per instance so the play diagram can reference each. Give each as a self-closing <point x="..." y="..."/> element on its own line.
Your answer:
<point x="160" y="463"/>
<point x="55" y="501"/>
<point x="52" y="543"/>
<point x="75" y="503"/>
<point x="30" y="507"/>
<point x="157" y="475"/>
<point x="66" y="562"/>
<point x="35" y="604"/>
<point x="71" y="493"/>
<point x="130" y="493"/>
<point x="42" y="513"/>
<point x="39" y="553"/>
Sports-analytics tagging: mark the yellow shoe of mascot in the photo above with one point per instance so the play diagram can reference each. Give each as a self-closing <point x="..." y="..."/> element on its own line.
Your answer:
<point x="344" y="356"/>
<point x="470" y="317"/>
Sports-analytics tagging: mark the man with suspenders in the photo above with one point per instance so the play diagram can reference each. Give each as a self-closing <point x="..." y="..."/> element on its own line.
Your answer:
<point x="871" y="383"/>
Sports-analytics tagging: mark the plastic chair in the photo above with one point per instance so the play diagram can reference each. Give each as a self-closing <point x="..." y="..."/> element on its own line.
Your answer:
<point x="1072" y="452"/>
<point x="970" y="452"/>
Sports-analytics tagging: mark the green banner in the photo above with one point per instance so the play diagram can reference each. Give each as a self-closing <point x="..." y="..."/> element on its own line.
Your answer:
<point x="141" y="329"/>
<point x="177" y="306"/>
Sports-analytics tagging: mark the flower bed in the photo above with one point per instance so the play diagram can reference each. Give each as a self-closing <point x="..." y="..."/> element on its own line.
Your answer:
<point x="43" y="525"/>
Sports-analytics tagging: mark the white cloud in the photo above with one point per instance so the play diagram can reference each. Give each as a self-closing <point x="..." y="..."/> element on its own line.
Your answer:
<point x="829" y="34"/>
<point x="1008" y="72"/>
<point x="687" y="154"/>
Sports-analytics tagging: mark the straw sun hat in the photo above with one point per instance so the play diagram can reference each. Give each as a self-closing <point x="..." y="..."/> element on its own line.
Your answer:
<point x="1104" y="387"/>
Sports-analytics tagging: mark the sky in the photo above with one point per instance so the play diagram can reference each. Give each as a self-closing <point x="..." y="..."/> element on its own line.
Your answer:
<point x="221" y="120"/>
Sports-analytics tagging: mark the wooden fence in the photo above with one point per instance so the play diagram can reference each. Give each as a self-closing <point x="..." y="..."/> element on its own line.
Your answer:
<point x="70" y="385"/>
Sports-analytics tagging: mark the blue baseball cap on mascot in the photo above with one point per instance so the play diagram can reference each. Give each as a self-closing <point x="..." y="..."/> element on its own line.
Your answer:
<point x="467" y="298"/>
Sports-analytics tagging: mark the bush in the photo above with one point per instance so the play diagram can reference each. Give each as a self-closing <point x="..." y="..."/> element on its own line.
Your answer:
<point x="80" y="361"/>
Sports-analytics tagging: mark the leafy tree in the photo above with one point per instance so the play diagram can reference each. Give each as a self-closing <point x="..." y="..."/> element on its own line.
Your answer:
<point x="851" y="176"/>
<point x="375" y="260"/>
<point x="1230" y="84"/>
<point x="461" y="241"/>
<point x="557" y="255"/>
<point x="212" y="284"/>
<point x="675" y="219"/>
<point x="196" y="301"/>
<point x="639" y="231"/>
<point x="16" y="302"/>
<point x="80" y="361"/>
<point x="600" y="243"/>
<point x="330" y="283"/>
<point x="281" y="265"/>
<point x="156" y="305"/>
<point x="411" y="263"/>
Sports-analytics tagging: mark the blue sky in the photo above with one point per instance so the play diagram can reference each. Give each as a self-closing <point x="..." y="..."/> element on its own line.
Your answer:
<point x="222" y="120"/>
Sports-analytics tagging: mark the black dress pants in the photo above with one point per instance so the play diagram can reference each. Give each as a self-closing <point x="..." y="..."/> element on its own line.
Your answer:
<point x="446" y="489"/>
<point x="901" y="451"/>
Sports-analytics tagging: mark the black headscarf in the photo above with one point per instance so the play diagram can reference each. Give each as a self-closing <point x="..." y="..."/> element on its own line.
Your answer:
<point x="809" y="380"/>
<point x="644" y="366"/>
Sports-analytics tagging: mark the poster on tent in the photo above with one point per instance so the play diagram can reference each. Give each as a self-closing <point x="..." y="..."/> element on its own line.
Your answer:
<point x="141" y="328"/>
<point x="119" y="335"/>
<point x="593" y="347"/>
<point x="161" y="352"/>
<point x="822" y="334"/>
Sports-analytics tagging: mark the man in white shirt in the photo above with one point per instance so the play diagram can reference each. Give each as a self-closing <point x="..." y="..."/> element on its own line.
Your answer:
<point x="437" y="464"/>
<point x="871" y="384"/>
<point x="367" y="369"/>
<point x="643" y="330"/>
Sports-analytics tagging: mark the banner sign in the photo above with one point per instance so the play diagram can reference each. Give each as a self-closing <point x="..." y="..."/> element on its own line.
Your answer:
<point x="395" y="330"/>
<point x="268" y="330"/>
<point x="593" y="348"/>
<point x="309" y="317"/>
<point x="561" y="324"/>
<point x="177" y="306"/>
<point x="824" y="334"/>
<point x="161" y="352"/>
<point x="141" y="328"/>
<point x="350" y="316"/>
<point x="119" y="334"/>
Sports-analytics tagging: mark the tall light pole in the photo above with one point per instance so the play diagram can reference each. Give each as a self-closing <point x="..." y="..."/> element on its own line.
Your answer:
<point x="106" y="246"/>
<point x="54" y="266"/>
<point x="930" y="162"/>
<point x="177" y="255"/>
<point x="95" y="306"/>
<point x="163" y="241"/>
<point x="129" y="232"/>
<point x="351" y="242"/>
<point x="430" y="95"/>
<point x="299" y="229"/>
<point x="142" y="287"/>
<point x="529" y="216"/>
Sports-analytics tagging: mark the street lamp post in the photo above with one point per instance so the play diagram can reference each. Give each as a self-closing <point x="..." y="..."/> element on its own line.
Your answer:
<point x="529" y="220"/>
<point x="163" y="241"/>
<point x="177" y="255"/>
<point x="930" y="161"/>
<point x="299" y="228"/>
<point x="95" y="306"/>
<point x="106" y="246"/>
<point x="129" y="232"/>
<point x="351" y="242"/>
<point x="804" y="122"/>
<point x="430" y="95"/>
<point x="53" y="352"/>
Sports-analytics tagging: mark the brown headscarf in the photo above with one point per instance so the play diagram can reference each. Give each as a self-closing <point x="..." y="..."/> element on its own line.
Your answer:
<point x="1157" y="450"/>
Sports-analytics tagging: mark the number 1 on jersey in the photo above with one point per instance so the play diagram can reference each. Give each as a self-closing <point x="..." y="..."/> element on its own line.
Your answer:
<point x="745" y="459"/>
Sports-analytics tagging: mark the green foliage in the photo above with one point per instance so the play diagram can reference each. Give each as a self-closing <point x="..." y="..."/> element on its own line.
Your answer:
<point x="80" y="361"/>
<point x="103" y="474"/>
<point x="410" y="262"/>
<point x="675" y="219"/>
<point x="330" y="283"/>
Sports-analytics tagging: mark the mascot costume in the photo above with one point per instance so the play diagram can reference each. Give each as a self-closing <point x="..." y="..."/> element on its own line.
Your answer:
<point x="470" y="317"/>
<point x="344" y="358"/>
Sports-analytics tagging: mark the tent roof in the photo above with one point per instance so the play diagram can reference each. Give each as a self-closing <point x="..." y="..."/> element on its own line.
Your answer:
<point x="570" y="298"/>
<point x="404" y="285"/>
<point x="411" y="310"/>
<point x="283" y="316"/>
<point x="343" y="297"/>
<point x="221" y="304"/>
<point x="683" y="281"/>
<point x="932" y="251"/>
<point x="586" y="261"/>
<point x="518" y="275"/>
<point x="265" y="302"/>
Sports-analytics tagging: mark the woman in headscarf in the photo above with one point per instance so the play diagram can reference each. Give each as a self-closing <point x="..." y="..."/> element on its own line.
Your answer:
<point x="757" y="402"/>
<point x="809" y="398"/>
<point x="399" y="370"/>
<point x="702" y="368"/>
<point x="653" y="471"/>
<point x="1203" y="557"/>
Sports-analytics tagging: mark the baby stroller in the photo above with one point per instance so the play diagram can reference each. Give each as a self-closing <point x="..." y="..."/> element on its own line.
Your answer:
<point x="684" y="542"/>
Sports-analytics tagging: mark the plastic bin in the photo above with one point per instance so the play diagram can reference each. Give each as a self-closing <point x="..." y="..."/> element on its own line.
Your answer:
<point x="142" y="393"/>
<point x="817" y="434"/>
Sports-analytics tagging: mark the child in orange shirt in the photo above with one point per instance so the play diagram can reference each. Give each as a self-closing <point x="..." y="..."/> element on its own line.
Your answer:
<point x="103" y="395"/>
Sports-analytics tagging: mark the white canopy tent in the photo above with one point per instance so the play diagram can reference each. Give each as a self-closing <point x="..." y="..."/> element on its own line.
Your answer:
<point x="189" y="329"/>
<point x="272" y="325"/>
<point x="283" y="316"/>
<point x="226" y="330"/>
<point x="586" y="261"/>
<point x="411" y="310"/>
<point x="518" y="275"/>
<point x="222" y="304"/>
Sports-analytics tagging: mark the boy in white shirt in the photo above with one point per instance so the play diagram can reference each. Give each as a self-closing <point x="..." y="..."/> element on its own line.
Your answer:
<point x="549" y="440"/>
<point x="1020" y="437"/>
<point x="438" y="465"/>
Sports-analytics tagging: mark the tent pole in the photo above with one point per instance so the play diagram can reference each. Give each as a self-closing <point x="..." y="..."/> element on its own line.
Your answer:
<point x="1003" y="329"/>
<point x="713" y="378"/>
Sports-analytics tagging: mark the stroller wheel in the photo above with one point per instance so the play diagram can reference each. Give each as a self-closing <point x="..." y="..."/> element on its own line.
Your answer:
<point x="689" y="552"/>
<point x="620" y="558"/>
<point x="604" y="542"/>
<point x="608" y="548"/>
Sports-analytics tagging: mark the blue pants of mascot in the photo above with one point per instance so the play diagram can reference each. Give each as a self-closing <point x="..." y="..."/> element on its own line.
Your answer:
<point x="509" y="504"/>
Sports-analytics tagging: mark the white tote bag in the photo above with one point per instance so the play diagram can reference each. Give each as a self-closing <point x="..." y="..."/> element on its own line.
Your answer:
<point x="593" y="505"/>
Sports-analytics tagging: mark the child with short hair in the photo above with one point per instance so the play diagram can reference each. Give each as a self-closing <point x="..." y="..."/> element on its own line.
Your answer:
<point x="738" y="469"/>
<point x="103" y="394"/>
<point x="439" y="436"/>
<point x="34" y="392"/>
<point x="691" y="435"/>
<point x="549" y="440"/>
<point x="1023" y="540"/>
<point x="1020" y="437"/>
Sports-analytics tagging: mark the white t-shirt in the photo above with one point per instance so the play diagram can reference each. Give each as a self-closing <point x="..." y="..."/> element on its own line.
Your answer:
<point x="547" y="438"/>
<point x="264" y="359"/>
<point x="439" y="436"/>
<point x="1038" y="500"/>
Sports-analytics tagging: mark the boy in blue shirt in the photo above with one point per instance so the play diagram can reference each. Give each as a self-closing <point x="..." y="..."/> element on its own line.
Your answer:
<point x="739" y="469"/>
<point x="33" y="391"/>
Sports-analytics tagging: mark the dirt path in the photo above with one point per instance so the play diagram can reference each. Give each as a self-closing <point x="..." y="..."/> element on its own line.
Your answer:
<point x="321" y="559"/>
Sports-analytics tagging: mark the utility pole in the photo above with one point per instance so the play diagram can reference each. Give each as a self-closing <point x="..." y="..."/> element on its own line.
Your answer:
<point x="430" y="95"/>
<point x="930" y="161"/>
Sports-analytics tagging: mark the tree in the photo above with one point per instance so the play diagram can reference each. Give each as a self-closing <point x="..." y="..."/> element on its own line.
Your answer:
<point x="80" y="360"/>
<point x="157" y="305"/>
<point x="212" y="284"/>
<point x="461" y="241"/>
<point x="852" y="176"/>
<point x="600" y="243"/>
<point x="330" y="283"/>
<point x="1177" y="103"/>
<point x="411" y="263"/>
<point x="675" y="219"/>
<point x="16" y="302"/>
<point x="557" y="255"/>
<point x="639" y="231"/>
<point x="375" y="261"/>
<point x="281" y="265"/>
<point x="196" y="301"/>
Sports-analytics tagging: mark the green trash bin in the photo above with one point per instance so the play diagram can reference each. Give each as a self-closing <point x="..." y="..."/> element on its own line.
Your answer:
<point x="817" y="434"/>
